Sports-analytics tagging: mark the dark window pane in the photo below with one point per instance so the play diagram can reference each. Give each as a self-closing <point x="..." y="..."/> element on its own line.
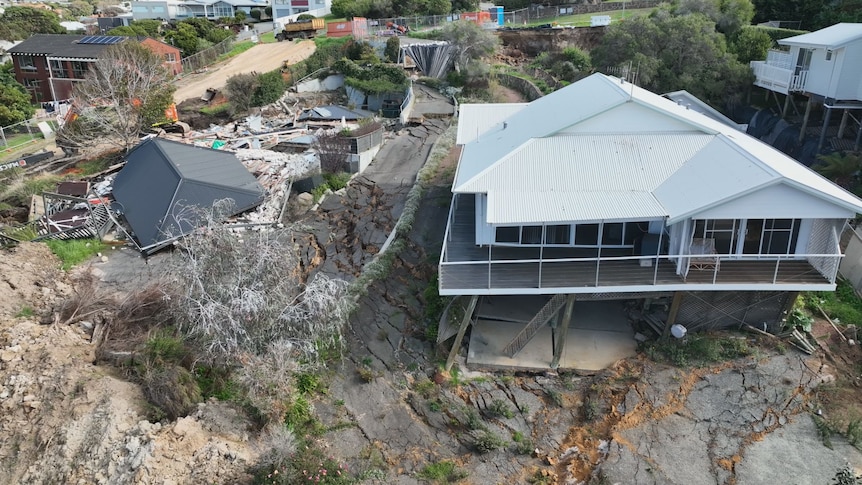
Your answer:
<point x="612" y="234"/>
<point x="558" y="234"/>
<point x="587" y="234"/>
<point x="531" y="235"/>
<point x="508" y="234"/>
<point x="634" y="230"/>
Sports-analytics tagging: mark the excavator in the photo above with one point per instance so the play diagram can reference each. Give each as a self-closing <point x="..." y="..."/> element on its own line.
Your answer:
<point x="397" y="28"/>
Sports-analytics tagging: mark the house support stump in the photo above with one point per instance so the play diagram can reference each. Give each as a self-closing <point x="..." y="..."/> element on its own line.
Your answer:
<point x="787" y="100"/>
<point x="805" y="120"/>
<point x="468" y="316"/>
<point x="562" y="330"/>
<point x="823" y="130"/>
<point x="843" y="124"/>
<point x="672" y="313"/>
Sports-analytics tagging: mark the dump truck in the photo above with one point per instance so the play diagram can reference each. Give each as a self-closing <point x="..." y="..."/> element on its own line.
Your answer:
<point x="301" y="29"/>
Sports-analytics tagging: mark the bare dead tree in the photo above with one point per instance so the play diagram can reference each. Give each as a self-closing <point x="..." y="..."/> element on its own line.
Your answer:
<point x="332" y="148"/>
<point x="124" y="92"/>
<point x="234" y="294"/>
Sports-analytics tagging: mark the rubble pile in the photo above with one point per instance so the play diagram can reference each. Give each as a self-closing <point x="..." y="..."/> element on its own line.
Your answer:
<point x="347" y="230"/>
<point x="274" y="171"/>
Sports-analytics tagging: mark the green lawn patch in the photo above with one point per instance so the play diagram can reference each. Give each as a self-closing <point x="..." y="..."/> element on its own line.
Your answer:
<point x="216" y="109"/>
<point x="267" y="38"/>
<point x="698" y="350"/>
<point x="237" y="49"/>
<point x="75" y="251"/>
<point x="583" y="19"/>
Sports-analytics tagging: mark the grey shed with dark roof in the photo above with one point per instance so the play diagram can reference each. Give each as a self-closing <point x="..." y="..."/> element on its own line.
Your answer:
<point x="164" y="181"/>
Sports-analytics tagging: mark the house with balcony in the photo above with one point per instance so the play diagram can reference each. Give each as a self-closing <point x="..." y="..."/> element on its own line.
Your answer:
<point x="183" y="9"/>
<point x="825" y="66"/>
<point x="605" y="191"/>
<point x="49" y="65"/>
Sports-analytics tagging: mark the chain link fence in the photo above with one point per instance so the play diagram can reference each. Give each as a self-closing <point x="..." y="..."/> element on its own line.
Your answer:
<point x="540" y="12"/>
<point x="524" y="16"/>
<point x="206" y="57"/>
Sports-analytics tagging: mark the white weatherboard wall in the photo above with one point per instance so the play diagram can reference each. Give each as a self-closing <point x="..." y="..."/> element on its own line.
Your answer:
<point x="850" y="83"/>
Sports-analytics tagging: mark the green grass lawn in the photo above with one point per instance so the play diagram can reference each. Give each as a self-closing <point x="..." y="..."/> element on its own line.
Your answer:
<point x="267" y="38"/>
<point x="583" y="19"/>
<point x="75" y="251"/>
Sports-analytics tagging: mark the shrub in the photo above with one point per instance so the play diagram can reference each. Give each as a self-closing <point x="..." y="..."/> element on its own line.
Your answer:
<point x="270" y="87"/>
<point x="336" y="181"/>
<point x="442" y="472"/>
<point x="580" y="60"/>
<point x="392" y="49"/>
<point x="488" y="441"/>
<point x="499" y="408"/>
<point x="171" y="389"/>
<point x="241" y="89"/>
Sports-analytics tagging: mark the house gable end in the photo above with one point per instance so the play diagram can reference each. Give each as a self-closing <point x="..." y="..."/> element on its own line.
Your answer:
<point x="777" y="201"/>
<point x="630" y="118"/>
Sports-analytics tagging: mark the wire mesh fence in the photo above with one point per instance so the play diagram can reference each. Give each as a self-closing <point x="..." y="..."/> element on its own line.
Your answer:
<point x="524" y="16"/>
<point x="207" y="56"/>
<point x="24" y="132"/>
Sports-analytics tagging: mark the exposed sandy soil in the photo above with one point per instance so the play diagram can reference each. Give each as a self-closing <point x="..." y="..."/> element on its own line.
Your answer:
<point x="261" y="58"/>
<point x="65" y="420"/>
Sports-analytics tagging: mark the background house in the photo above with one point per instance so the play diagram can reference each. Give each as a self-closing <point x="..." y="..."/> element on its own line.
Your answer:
<point x="605" y="191"/>
<point x="48" y="65"/>
<point x="182" y="9"/>
<point x="824" y="66"/>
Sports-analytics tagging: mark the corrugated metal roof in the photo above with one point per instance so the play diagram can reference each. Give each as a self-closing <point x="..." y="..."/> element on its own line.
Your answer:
<point x="834" y="36"/>
<point x="627" y="168"/>
<point x="685" y="172"/>
<point x="591" y="163"/>
<point x="476" y="119"/>
<point x="565" y="206"/>
<point x="541" y="118"/>
<point x="162" y="179"/>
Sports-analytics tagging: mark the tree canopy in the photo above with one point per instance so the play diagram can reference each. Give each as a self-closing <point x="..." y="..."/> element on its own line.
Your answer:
<point x="125" y="92"/>
<point x="672" y="52"/>
<point x="18" y="23"/>
<point x="473" y="42"/>
<point x="399" y="8"/>
<point x="14" y="99"/>
<point x="811" y="14"/>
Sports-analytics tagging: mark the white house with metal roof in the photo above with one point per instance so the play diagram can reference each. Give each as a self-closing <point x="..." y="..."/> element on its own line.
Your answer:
<point x="605" y="190"/>
<point x="825" y="66"/>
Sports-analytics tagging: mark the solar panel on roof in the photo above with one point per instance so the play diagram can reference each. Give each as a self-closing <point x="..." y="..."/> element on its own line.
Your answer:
<point x="101" y="39"/>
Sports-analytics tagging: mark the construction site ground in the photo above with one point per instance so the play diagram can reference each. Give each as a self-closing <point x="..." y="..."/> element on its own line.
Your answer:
<point x="260" y="58"/>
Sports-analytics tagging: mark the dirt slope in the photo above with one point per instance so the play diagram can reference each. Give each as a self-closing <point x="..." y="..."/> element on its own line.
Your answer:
<point x="260" y="58"/>
<point x="65" y="420"/>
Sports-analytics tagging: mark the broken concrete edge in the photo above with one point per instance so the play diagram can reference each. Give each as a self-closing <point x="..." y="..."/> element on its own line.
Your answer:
<point x="380" y="265"/>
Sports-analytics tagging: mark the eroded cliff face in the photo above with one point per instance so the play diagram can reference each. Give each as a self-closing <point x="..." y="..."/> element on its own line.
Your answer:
<point x="532" y="42"/>
<point x="66" y="420"/>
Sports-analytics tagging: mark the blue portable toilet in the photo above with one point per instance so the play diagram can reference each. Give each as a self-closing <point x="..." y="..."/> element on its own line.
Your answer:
<point x="497" y="12"/>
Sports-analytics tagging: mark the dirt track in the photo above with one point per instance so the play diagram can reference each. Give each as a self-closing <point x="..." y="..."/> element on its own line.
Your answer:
<point x="260" y="58"/>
